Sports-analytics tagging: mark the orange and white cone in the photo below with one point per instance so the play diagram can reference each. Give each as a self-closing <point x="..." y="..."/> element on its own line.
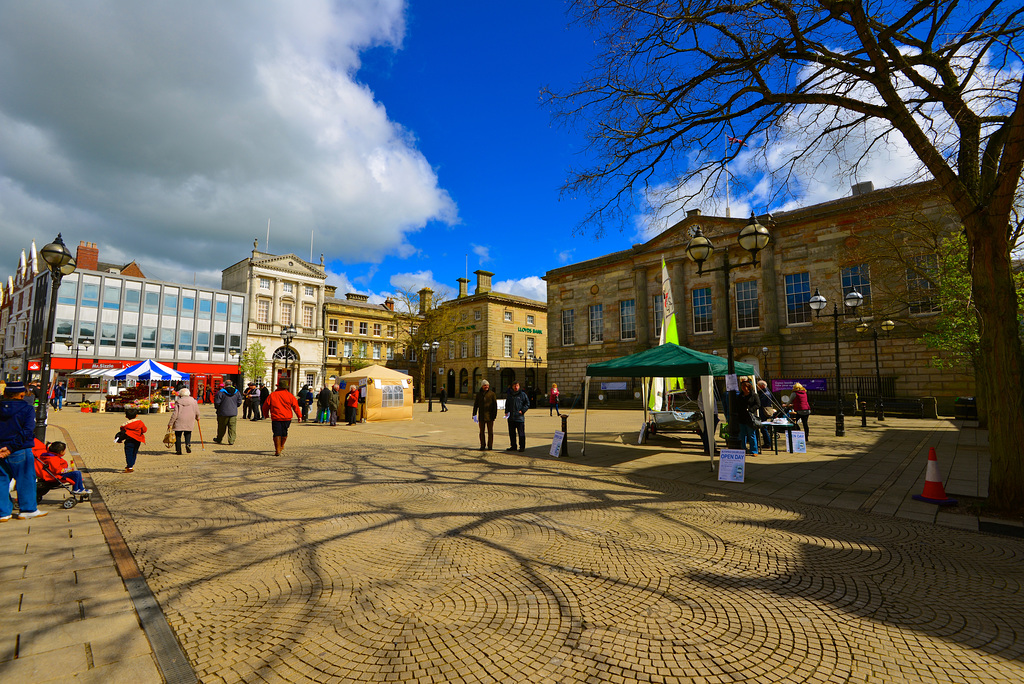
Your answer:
<point x="934" y="492"/>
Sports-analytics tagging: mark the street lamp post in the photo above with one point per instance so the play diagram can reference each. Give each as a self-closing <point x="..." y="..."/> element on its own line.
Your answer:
<point x="818" y="302"/>
<point x="522" y="357"/>
<point x="427" y="348"/>
<point x="61" y="263"/>
<point x="764" y="364"/>
<point x="887" y="326"/>
<point x="77" y="347"/>
<point x="538" y="360"/>
<point x="287" y="335"/>
<point x="753" y="237"/>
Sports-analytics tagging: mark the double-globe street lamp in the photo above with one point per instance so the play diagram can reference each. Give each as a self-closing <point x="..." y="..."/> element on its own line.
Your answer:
<point x="886" y="326"/>
<point x="287" y="335"/>
<point x="525" y="360"/>
<point x="753" y="237"/>
<point x="852" y="300"/>
<point x="77" y="347"/>
<point x="61" y="262"/>
<point x="429" y="347"/>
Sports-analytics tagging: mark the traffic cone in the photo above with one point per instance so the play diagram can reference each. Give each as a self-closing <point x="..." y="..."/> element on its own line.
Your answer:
<point x="934" y="492"/>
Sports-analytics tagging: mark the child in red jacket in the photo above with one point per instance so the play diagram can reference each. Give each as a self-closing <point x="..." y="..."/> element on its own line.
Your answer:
<point x="58" y="469"/>
<point x="135" y="436"/>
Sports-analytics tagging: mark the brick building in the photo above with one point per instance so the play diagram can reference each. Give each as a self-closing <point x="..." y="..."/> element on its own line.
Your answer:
<point x="497" y="336"/>
<point x="881" y="243"/>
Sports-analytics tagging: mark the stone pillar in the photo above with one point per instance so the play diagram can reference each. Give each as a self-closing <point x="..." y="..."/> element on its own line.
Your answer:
<point x="770" y="288"/>
<point x="677" y="270"/>
<point x="643" y="300"/>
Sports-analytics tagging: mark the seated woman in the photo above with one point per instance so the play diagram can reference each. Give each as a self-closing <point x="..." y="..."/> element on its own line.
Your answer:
<point x="56" y="468"/>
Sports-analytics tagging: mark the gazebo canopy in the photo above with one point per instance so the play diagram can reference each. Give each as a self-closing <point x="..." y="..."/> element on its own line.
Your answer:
<point x="151" y="370"/>
<point x="666" y="361"/>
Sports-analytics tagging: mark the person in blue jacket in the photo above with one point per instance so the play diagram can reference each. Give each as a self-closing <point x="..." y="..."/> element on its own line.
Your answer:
<point x="17" y="428"/>
<point x="516" y="406"/>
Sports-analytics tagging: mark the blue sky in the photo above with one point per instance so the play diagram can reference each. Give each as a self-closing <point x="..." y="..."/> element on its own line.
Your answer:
<point x="405" y="136"/>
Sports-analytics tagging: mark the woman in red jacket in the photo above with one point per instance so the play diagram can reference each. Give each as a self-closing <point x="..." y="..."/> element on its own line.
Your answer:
<point x="801" y="407"/>
<point x="351" y="402"/>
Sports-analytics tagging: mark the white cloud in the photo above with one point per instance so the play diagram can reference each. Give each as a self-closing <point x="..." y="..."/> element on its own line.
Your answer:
<point x="173" y="131"/>
<point x="484" y="253"/>
<point x="531" y="287"/>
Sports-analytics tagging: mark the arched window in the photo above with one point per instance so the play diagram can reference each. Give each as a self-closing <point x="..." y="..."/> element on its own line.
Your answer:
<point x="464" y="381"/>
<point x="285" y="354"/>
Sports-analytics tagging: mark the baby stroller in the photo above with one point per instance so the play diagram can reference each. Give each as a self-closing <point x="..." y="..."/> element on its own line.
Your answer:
<point x="44" y="486"/>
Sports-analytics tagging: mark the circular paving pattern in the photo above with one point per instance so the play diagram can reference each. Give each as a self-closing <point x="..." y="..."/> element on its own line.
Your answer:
<point x="381" y="560"/>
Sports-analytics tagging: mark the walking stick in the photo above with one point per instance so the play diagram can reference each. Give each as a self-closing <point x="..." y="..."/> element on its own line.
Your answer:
<point x="202" y="444"/>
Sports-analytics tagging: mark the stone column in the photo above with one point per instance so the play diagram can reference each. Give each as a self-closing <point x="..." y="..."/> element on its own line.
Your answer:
<point x="677" y="272"/>
<point x="643" y="300"/>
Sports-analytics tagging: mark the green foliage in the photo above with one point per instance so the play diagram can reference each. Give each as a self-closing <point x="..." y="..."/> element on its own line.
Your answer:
<point x="956" y="330"/>
<point x="253" y="364"/>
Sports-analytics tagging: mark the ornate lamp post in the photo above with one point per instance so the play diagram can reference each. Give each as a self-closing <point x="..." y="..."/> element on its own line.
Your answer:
<point x="287" y="335"/>
<point x="886" y="326"/>
<point x="851" y="301"/>
<point x="77" y="347"/>
<point x="427" y="348"/>
<point x="538" y="360"/>
<point x="764" y="363"/>
<point x="61" y="262"/>
<point x="523" y="358"/>
<point x="753" y="237"/>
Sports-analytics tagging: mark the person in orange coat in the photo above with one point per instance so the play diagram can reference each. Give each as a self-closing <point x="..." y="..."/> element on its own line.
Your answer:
<point x="280" y="405"/>
<point x="51" y="467"/>
<point x="135" y="436"/>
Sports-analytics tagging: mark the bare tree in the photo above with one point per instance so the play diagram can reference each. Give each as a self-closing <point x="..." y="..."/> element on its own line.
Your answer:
<point x="676" y="77"/>
<point x="425" y="321"/>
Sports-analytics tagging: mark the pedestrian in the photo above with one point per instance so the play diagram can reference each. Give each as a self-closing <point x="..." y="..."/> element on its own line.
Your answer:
<point x="280" y="405"/>
<point x="765" y="413"/>
<point x="553" y="399"/>
<point x="362" y="403"/>
<point x="351" y="404"/>
<point x="444" y="399"/>
<point x="247" y="401"/>
<point x="57" y="469"/>
<point x="323" y="404"/>
<point x="305" y="399"/>
<point x="17" y="437"/>
<point x="184" y="419"/>
<point x="227" y="401"/>
<point x="134" y="437"/>
<point x="264" y="395"/>
<point x="59" y="392"/>
<point x="801" y="407"/>
<point x="516" y="406"/>
<point x="743" y="409"/>
<point x="333" y="401"/>
<point x="485" y="411"/>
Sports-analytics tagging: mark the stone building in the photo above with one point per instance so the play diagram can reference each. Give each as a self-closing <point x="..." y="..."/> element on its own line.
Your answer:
<point x="358" y="333"/>
<point x="882" y="243"/>
<point x="282" y="292"/>
<point x="16" y="303"/>
<point x="492" y="335"/>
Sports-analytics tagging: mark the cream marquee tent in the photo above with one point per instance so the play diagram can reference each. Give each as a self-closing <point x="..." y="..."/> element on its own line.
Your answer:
<point x="388" y="392"/>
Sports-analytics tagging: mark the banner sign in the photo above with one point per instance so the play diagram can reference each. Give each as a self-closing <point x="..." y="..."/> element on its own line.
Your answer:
<point x="810" y="384"/>
<point x="799" y="442"/>
<point x="556" y="444"/>
<point x="614" y="385"/>
<point x="731" y="465"/>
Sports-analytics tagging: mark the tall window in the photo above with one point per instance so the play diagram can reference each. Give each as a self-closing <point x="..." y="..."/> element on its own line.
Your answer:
<point x="348" y="327"/>
<point x="530" y="345"/>
<point x="376" y="329"/>
<point x="348" y="349"/>
<point x="596" y="323"/>
<point x="264" y="283"/>
<point x="923" y="295"/>
<point x="476" y="344"/>
<point x="149" y="338"/>
<point x="202" y="341"/>
<point x="205" y="307"/>
<point x="287" y="287"/>
<point x="132" y="299"/>
<point x="221" y="310"/>
<point x="332" y="325"/>
<point x="855" y="279"/>
<point x="508" y="316"/>
<point x="307" y="316"/>
<point x="363" y="327"/>
<point x="451" y="349"/>
<point x="747" y="312"/>
<point x="465" y="349"/>
<point x="185" y="340"/>
<point x="263" y="311"/>
<point x="286" y="313"/>
<point x="476" y="314"/>
<point x="529" y="320"/>
<point x="507" y="347"/>
<point x="129" y="335"/>
<point x="152" y="301"/>
<point x="188" y="306"/>
<point x="68" y="292"/>
<point x="659" y="314"/>
<point x="391" y="331"/>
<point x="798" y="298"/>
<point x="332" y="347"/>
<point x="391" y="352"/>
<point x="376" y="351"/>
<point x="91" y="295"/>
<point x="568" y="327"/>
<point x="308" y="290"/>
<point x="627" y="319"/>
<point x="112" y="296"/>
<point x="703" y="315"/>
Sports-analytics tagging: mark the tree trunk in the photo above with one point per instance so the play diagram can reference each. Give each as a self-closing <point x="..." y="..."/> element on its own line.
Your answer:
<point x="1001" y="361"/>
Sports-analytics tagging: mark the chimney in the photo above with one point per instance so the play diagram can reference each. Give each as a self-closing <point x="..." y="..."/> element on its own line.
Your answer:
<point x="426" y="299"/>
<point x="862" y="188"/>
<point x="356" y="297"/>
<point x="483" y="281"/>
<point x="692" y="212"/>
<point x="88" y="256"/>
<point x="463" y="287"/>
<point x="389" y="304"/>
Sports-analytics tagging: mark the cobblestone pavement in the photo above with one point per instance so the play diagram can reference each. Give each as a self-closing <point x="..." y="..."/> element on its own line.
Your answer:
<point x="395" y="552"/>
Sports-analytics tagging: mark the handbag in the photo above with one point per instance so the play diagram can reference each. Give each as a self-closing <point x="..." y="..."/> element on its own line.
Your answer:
<point x="169" y="438"/>
<point x="120" y="436"/>
<point x="754" y="420"/>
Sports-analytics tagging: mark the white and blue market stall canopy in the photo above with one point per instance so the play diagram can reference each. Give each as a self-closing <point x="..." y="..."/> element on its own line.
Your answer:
<point x="151" y="370"/>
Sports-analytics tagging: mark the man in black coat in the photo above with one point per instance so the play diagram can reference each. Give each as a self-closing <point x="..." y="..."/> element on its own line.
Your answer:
<point x="516" y="406"/>
<point x="485" y="408"/>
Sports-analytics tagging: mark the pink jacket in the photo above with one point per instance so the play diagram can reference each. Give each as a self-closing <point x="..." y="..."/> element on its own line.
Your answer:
<point x="799" y="401"/>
